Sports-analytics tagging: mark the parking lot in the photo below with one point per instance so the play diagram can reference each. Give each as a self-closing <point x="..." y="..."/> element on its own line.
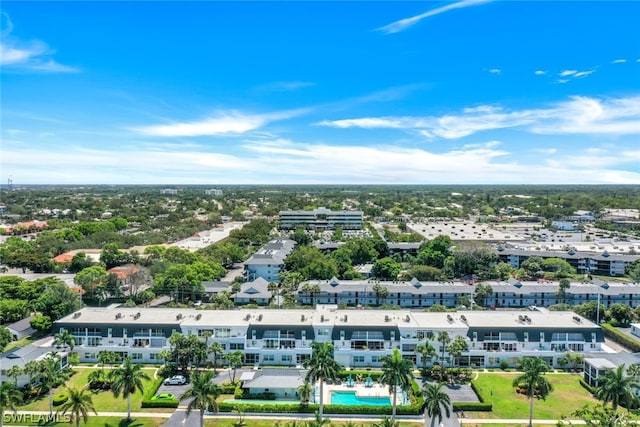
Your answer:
<point x="176" y="390"/>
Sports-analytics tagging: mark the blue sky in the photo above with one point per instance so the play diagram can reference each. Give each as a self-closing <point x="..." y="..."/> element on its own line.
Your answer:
<point x="421" y="92"/>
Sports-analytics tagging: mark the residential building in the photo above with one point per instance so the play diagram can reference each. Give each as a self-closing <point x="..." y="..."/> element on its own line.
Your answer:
<point x="20" y="356"/>
<point x="511" y="293"/>
<point x="254" y="292"/>
<point x="597" y="364"/>
<point x="213" y="192"/>
<point x="282" y="382"/>
<point x="603" y="264"/>
<point x="168" y="192"/>
<point x="21" y="328"/>
<point x="321" y="219"/>
<point x="268" y="261"/>
<point x="361" y="337"/>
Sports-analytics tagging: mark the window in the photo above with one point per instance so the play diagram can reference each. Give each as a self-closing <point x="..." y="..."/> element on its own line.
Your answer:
<point x="89" y="355"/>
<point x="268" y="358"/>
<point x="323" y="332"/>
<point x="358" y="359"/>
<point x="526" y="336"/>
<point x="136" y="356"/>
<point x="153" y="356"/>
<point x="236" y="346"/>
<point x="251" y="358"/>
<point x="541" y="336"/>
<point x="286" y="358"/>
<point x="375" y="359"/>
<point x="342" y="335"/>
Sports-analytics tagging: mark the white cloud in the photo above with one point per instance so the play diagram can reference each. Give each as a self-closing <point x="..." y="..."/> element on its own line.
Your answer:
<point x="223" y="123"/>
<point x="573" y="74"/>
<point x="495" y="71"/>
<point x="547" y="151"/>
<point x="562" y="81"/>
<point x="566" y="73"/>
<point x="403" y="24"/>
<point x="619" y="61"/>
<point x="539" y="72"/>
<point x="578" y="115"/>
<point x="584" y="73"/>
<point x="20" y="55"/>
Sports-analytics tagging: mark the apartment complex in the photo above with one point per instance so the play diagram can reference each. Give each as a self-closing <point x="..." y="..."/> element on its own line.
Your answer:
<point x="361" y="337"/>
<point x="510" y="293"/>
<point x="321" y="219"/>
<point x="268" y="261"/>
<point x="603" y="264"/>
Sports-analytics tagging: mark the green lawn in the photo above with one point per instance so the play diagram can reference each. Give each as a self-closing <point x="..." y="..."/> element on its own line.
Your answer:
<point x="103" y="400"/>
<point x="568" y="396"/>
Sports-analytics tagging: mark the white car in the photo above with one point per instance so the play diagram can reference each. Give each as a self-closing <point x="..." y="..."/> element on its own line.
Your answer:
<point x="175" y="380"/>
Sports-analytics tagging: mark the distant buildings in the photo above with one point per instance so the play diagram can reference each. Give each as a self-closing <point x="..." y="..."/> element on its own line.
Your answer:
<point x="213" y="192"/>
<point x="418" y="294"/>
<point x="169" y="192"/>
<point x="604" y="264"/>
<point x="268" y="261"/>
<point x="321" y="219"/>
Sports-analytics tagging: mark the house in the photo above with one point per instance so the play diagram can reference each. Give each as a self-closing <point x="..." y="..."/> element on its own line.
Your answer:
<point x="280" y="381"/>
<point x="214" y="287"/>
<point x="597" y="364"/>
<point x="21" y="356"/>
<point x="21" y="328"/>
<point x="255" y="292"/>
<point x="64" y="258"/>
<point x="126" y="276"/>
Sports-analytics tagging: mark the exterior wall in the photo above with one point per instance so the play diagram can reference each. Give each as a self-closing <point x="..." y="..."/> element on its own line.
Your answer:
<point x="269" y="272"/>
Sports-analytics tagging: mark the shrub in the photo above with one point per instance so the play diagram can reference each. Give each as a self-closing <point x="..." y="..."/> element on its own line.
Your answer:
<point x="504" y="365"/>
<point x="59" y="399"/>
<point x="621" y="338"/>
<point x="587" y="387"/>
<point x="481" y="397"/>
<point x="267" y="395"/>
<point x="472" y="406"/>
<point x="148" y="402"/>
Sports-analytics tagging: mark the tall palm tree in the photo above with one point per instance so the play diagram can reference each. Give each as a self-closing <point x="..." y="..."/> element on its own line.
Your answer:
<point x="386" y="422"/>
<point x="444" y="339"/>
<point x="396" y="373"/>
<point x="31" y="368"/>
<point x="203" y="394"/>
<point x="65" y="339"/>
<point x="78" y="404"/>
<point x="127" y="379"/>
<point x="216" y="350"/>
<point x="305" y="390"/>
<point x="50" y="376"/>
<point x="634" y="370"/>
<point x="321" y="366"/>
<point x="617" y="388"/>
<point x="165" y="355"/>
<point x="318" y="421"/>
<point x="10" y="398"/>
<point x="435" y="401"/>
<point x="533" y="381"/>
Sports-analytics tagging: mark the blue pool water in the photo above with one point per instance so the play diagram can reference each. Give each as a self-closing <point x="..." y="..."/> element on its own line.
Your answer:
<point x="351" y="398"/>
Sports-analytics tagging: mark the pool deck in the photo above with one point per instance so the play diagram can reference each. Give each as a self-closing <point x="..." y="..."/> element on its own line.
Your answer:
<point x="376" y="390"/>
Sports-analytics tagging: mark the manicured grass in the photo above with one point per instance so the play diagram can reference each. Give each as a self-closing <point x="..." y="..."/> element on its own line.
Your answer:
<point x="567" y="397"/>
<point x="96" y="421"/>
<point x="102" y="400"/>
<point x="270" y="423"/>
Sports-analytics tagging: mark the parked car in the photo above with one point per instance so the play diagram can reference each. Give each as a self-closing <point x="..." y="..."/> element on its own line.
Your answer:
<point x="175" y="380"/>
<point x="164" y="396"/>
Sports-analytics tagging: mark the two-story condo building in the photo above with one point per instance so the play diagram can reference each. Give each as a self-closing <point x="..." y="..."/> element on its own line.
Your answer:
<point x="510" y="293"/>
<point x="360" y="337"/>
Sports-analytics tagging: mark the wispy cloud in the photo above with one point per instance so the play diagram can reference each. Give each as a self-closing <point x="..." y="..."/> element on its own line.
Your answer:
<point x="619" y="61"/>
<point x="21" y="55"/>
<point x="403" y="24"/>
<point x="567" y="75"/>
<point x="578" y="115"/>
<point x="539" y="72"/>
<point x="284" y="86"/>
<point x="495" y="71"/>
<point x="222" y="123"/>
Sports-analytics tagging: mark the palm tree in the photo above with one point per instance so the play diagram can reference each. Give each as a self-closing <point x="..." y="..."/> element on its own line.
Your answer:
<point x="165" y="355"/>
<point x="31" y="368"/>
<point x="396" y="373"/>
<point x="78" y="404"/>
<point x="10" y="398"/>
<point x="234" y="360"/>
<point x="305" y="390"/>
<point x="634" y="371"/>
<point x="203" y="394"/>
<point x="321" y="366"/>
<point x="318" y="421"/>
<point x="381" y="292"/>
<point x="386" y="422"/>
<point x="617" y="388"/>
<point x="15" y="371"/>
<point x="426" y="351"/>
<point x="50" y="376"/>
<point x="533" y="381"/>
<point x="106" y="357"/>
<point x="216" y="350"/>
<point x="435" y="400"/>
<point x="65" y="339"/>
<point x="127" y="379"/>
<point x="444" y="339"/>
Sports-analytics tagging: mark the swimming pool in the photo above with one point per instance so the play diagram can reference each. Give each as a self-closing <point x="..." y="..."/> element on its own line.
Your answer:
<point x="351" y="398"/>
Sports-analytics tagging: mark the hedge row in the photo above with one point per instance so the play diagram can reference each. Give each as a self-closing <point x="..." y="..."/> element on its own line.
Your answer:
<point x="621" y="338"/>
<point x="587" y="387"/>
<point x="472" y="406"/>
<point x="147" y="401"/>
<point x="375" y="375"/>
<point x="311" y="408"/>
<point x="475" y="389"/>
